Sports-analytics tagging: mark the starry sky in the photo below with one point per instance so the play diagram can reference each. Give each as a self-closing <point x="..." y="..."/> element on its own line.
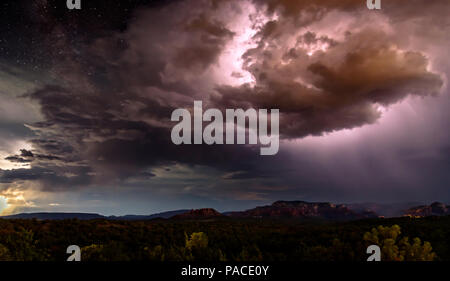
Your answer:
<point x="86" y="98"/>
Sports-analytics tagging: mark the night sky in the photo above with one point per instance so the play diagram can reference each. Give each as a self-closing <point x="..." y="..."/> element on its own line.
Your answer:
<point x="86" y="98"/>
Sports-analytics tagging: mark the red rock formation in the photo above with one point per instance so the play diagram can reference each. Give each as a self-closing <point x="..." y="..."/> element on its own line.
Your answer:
<point x="199" y="213"/>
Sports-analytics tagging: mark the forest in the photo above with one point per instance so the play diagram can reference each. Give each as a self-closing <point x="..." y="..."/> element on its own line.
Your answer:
<point x="226" y="239"/>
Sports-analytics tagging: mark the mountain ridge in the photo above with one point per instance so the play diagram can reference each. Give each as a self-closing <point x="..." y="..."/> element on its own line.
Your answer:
<point x="278" y="209"/>
<point x="89" y="216"/>
<point x="303" y="209"/>
<point x="434" y="209"/>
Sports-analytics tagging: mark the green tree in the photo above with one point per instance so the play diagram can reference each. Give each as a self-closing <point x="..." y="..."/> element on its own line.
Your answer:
<point x="112" y="251"/>
<point x="198" y="240"/>
<point x="156" y="253"/>
<point x="4" y="253"/>
<point x="251" y="253"/>
<point x="394" y="248"/>
<point x="417" y="251"/>
<point x="25" y="246"/>
<point x="93" y="252"/>
<point x="196" y="248"/>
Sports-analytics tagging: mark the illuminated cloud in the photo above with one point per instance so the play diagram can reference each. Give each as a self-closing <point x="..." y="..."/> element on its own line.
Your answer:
<point x="14" y="200"/>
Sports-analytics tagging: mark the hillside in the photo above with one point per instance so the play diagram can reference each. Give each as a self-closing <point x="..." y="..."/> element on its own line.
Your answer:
<point x="232" y="240"/>
<point x="277" y="210"/>
<point x="302" y="209"/>
<point x="205" y="213"/>
<point x="435" y="209"/>
<point x="88" y="216"/>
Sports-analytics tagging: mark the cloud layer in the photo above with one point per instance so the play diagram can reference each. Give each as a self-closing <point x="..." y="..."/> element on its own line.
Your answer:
<point x="327" y="65"/>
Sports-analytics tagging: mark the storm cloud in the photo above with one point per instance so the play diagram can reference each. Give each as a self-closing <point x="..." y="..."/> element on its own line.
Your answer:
<point x="328" y="66"/>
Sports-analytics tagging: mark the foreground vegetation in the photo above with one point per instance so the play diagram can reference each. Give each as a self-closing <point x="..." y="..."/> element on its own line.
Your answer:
<point x="225" y="240"/>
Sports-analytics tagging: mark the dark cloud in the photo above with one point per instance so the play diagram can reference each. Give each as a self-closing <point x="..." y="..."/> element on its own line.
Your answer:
<point x="26" y="156"/>
<point x="343" y="87"/>
<point x="106" y="113"/>
<point x="26" y="153"/>
<point x="319" y="8"/>
<point x="9" y="176"/>
<point x="16" y="159"/>
<point x="207" y="39"/>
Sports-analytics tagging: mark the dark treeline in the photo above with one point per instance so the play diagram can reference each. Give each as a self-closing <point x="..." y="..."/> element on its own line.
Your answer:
<point x="224" y="239"/>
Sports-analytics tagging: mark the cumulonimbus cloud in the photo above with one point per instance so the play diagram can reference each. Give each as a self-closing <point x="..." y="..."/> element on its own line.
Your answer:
<point x="109" y="116"/>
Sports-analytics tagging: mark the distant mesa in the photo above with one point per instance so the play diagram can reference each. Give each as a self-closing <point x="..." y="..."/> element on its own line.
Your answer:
<point x="387" y="210"/>
<point x="163" y="215"/>
<point x="435" y="209"/>
<point x="87" y="216"/>
<point x="55" y="216"/>
<point x="302" y="209"/>
<point x="204" y="213"/>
